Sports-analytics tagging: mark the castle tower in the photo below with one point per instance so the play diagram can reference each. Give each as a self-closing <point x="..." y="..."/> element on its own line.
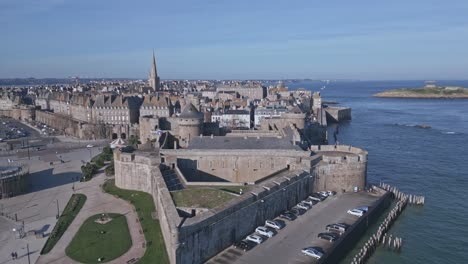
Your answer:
<point x="190" y="124"/>
<point x="153" y="78"/>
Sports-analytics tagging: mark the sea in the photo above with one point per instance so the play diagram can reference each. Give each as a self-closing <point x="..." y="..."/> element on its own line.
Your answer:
<point x="424" y="161"/>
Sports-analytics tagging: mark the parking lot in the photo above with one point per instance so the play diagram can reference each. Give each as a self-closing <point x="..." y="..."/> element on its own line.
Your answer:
<point x="286" y="246"/>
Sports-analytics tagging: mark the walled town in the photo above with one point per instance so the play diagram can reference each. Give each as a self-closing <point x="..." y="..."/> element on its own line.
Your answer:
<point x="228" y="167"/>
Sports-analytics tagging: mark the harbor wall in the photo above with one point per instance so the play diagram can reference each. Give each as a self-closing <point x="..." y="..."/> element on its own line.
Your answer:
<point x="337" y="114"/>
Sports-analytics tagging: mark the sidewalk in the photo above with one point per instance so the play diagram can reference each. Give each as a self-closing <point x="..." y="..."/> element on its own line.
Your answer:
<point x="98" y="202"/>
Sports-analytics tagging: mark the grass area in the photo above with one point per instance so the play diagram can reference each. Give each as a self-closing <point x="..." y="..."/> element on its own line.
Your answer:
<point x="107" y="241"/>
<point x="233" y="189"/>
<point x="143" y="202"/>
<point x="203" y="197"/>
<point x="427" y="92"/>
<point x="72" y="208"/>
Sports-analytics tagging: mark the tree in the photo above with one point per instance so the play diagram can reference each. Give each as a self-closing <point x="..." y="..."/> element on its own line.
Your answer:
<point x="133" y="140"/>
<point x="110" y="169"/>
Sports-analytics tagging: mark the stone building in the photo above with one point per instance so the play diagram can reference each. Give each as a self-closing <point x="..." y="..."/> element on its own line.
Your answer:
<point x="232" y="118"/>
<point x="9" y="100"/>
<point x="118" y="111"/>
<point x="190" y="123"/>
<point x="156" y="105"/>
<point x="43" y="99"/>
<point x="251" y="91"/>
<point x="12" y="180"/>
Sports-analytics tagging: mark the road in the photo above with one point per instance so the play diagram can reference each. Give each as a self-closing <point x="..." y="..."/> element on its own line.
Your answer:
<point x="286" y="246"/>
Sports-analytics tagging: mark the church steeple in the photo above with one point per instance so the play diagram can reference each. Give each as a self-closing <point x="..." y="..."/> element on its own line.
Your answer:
<point x="153" y="78"/>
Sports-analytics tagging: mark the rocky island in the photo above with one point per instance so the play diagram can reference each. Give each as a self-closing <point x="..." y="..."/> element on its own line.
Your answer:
<point x="428" y="92"/>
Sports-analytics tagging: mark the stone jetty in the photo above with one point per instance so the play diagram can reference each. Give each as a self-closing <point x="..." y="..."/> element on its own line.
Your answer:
<point x="381" y="237"/>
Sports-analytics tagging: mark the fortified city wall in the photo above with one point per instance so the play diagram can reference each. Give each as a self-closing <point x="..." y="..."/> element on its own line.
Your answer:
<point x="190" y="240"/>
<point x="341" y="168"/>
<point x="337" y="114"/>
<point x="230" y="165"/>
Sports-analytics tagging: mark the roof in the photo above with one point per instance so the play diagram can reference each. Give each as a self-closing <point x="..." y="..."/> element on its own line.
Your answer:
<point x="241" y="143"/>
<point x="191" y="111"/>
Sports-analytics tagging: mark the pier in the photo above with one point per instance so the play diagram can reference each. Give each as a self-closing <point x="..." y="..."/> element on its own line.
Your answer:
<point x="381" y="237"/>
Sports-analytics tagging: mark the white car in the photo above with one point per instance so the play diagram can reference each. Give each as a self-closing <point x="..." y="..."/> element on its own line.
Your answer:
<point x="308" y="202"/>
<point x="331" y="193"/>
<point x="255" y="238"/>
<point x="356" y="212"/>
<point x="264" y="231"/>
<point x="89" y="146"/>
<point x="325" y="194"/>
<point x="303" y="206"/>
<point x="313" y="252"/>
<point x="274" y="224"/>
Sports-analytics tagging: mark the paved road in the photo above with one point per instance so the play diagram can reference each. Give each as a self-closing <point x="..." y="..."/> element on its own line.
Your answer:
<point x="38" y="208"/>
<point x="98" y="202"/>
<point x="286" y="246"/>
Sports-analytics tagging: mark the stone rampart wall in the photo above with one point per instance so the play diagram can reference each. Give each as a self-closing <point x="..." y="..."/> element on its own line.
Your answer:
<point x="338" y="114"/>
<point x="196" y="239"/>
<point x="240" y="217"/>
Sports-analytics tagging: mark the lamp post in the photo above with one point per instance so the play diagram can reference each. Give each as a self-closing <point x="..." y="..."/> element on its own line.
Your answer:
<point x="27" y="248"/>
<point x="58" y="211"/>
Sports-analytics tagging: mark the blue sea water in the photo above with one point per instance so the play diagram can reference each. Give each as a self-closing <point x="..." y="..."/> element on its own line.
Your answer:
<point x="431" y="162"/>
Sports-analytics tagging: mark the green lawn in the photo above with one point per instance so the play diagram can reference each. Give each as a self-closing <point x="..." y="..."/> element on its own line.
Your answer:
<point x="72" y="208"/>
<point x="108" y="241"/>
<point x="203" y="197"/>
<point x="143" y="202"/>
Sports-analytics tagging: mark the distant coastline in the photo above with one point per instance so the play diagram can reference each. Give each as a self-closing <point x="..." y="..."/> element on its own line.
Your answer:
<point x="427" y="92"/>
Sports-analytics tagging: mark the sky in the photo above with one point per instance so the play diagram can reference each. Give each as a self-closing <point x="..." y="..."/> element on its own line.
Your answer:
<point x="241" y="39"/>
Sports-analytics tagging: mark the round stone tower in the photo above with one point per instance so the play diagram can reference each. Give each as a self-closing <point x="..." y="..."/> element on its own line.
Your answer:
<point x="190" y="124"/>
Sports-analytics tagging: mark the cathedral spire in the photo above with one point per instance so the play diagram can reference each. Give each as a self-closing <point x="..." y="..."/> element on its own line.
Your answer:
<point x="153" y="78"/>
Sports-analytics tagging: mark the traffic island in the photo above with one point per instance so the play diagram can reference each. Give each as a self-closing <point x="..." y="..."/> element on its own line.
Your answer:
<point x="101" y="238"/>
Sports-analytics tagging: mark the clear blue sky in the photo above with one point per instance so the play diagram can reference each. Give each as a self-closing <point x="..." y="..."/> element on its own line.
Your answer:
<point x="368" y="39"/>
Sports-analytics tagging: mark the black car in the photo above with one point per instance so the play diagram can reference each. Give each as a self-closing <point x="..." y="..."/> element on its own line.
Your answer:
<point x="331" y="237"/>
<point x="244" y="245"/>
<point x="298" y="211"/>
<point x="288" y="216"/>
<point x="317" y="197"/>
<point x="336" y="228"/>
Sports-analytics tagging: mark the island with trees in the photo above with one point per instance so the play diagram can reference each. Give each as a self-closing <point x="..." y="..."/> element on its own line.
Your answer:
<point x="428" y="91"/>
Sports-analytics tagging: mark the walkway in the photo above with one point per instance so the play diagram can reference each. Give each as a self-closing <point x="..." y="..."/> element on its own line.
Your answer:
<point x="98" y="202"/>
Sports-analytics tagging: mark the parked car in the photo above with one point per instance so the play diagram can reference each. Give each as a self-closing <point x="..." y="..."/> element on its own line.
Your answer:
<point x="356" y="212"/>
<point x="336" y="228"/>
<point x="304" y="206"/>
<point x="89" y="146"/>
<point x="343" y="225"/>
<point x="309" y="202"/>
<point x="264" y="231"/>
<point x="314" y="252"/>
<point x="331" y="237"/>
<point x="274" y="224"/>
<point x="245" y="245"/>
<point x="288" y="216"/>
<point x="363" y="208"/>
<point x="297" y="211"/>
<point x="255" y="238"/>
<point x="317" y="197"/>
<point x="331" y="193"/>
<point x="324" y="193"/>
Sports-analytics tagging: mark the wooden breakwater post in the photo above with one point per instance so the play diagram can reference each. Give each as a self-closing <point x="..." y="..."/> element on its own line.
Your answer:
<point x="380" y="237"/>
